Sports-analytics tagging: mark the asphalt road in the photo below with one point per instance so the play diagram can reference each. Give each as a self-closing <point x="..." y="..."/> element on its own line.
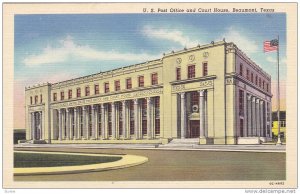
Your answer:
<point x="168" y="165"/>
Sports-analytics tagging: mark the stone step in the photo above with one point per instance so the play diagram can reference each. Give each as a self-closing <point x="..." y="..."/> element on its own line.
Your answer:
<point x="187" y="141"/>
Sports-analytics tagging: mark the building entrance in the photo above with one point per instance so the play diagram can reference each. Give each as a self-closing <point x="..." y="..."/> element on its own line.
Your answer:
<point x="194" y="129"/>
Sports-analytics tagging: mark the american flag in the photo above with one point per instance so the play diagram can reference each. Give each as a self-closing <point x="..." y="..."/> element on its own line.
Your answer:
<point x="271" y="45"/>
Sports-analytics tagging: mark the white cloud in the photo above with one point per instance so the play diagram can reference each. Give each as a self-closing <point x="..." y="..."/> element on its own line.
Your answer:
<point x="68" y="49"/>
<point x="171" y="35"/>
<point x="245" y="43"/>
<point x="274" y="60"/>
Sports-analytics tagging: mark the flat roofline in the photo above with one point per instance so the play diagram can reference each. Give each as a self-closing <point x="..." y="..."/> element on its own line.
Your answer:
<point x="198" y="47"/>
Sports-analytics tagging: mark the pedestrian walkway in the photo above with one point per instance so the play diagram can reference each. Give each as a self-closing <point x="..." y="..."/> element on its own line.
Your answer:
<point x="192" y="145"/>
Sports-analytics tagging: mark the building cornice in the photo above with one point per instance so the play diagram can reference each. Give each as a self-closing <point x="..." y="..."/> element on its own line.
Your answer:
<point x="245" y="81"/>
<point x="210" y="77"/>
<point x="109" y="94"/>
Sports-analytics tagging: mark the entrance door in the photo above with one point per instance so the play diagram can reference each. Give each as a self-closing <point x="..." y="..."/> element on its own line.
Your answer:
<point x="195" y="129"/>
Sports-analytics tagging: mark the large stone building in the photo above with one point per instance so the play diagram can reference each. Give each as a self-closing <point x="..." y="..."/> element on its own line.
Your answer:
<point x="212" y="92"/>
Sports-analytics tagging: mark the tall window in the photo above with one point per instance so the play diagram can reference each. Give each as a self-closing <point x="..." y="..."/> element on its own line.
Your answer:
<point x="259" y="83"/>
<point x="241" y="127"/>
<point x="191" y="71"/>
<point x="205" y="69"/>
<point x="157" y="115"/>
<point x="256" y="79"/>
<point x="178" y="73"/>
<point x="117" y="85"/>
<point x="252" y="77"/>
<point x="263" y="84"/>
<point x="41" y="98"/>
<point x="87" y="90"/>
<point x="120" y="119"/>
<point x="78" y="92"/>
<point x="144" y="117"/>
<point x="131" y="108"/>
<point x="96" y="89"/>
<point x="195" y="98"/>
<point x="99" y="120"/>
<point x="106" y="87"/>
<point x="247" y="74"/>
<point x="154" y="80"/>
<point x="62" y="95"/>
<point x="241" y="69"/>
<point x="141" y="81"/>
<point x="241" y="102"/>
<point x="54" y="96"/>
<point x="128" y="83"/>
<point x="30" y="99"/>
<point x="70" y="94"/>
<point x="36" y="99"/>
<point x="267" y="87"/>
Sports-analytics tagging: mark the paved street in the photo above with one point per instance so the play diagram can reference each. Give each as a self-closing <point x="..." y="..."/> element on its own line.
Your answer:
<point x="171" y="165"/>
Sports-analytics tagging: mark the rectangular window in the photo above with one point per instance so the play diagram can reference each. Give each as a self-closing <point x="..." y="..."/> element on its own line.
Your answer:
<point x="131" y="108"/>
<point x="41" y="98"/>
<point x="141" y="81"/>
<point x="241" y="103"/>
<point x="267" y="87"/>
<point x="144" y="117"/>
<point x="54" y="96"/>
<point x="154" y="80"/>
<point x="99" y="120"/>
<point x="117" y="85"/>
<point x="247" y="74"/>
<point x="256" y="80"/>
<point x="96" y="89"/>
<point x="157" y="115"/>
<point x="70" y="94"/>
<point x="178" y="73"/>
<point x="259" y="82"/>
<point x="36" y="99"/>
<point x="205" y="69"/>
<point x="252" y="77"/>
<point x="87" y="90"/>
<point x="106" y="87"/>
<point x="120" y="119"/>
<point x="78" y="92"/>
<point x="195" y="98"/>
<point x="62" y="95"/>
<point x="263" y="84"/>
<point x="30" y="99"/>
<point x="241" y="69"/>
<point x="191" y="71"/>
<point x="128" y="83"/>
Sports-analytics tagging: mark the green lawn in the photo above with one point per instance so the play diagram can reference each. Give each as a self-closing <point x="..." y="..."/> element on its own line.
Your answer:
<point x="27" y="160"/>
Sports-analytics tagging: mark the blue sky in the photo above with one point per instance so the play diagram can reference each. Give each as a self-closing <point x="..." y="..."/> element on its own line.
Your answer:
<point x="59" y="47"/>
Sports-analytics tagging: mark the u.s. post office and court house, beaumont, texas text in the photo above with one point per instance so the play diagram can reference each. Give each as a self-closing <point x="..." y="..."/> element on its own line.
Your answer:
<point x="213" y="93"/>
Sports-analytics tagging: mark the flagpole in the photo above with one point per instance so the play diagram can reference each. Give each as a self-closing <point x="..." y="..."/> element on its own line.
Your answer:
<point x="278" y="96"/>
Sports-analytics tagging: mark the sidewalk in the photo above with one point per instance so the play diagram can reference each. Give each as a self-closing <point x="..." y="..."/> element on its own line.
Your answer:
<point x="229" y="148"/>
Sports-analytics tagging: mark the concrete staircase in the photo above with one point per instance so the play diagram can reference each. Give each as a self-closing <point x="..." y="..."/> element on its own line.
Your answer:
<point x="181" y="143"/>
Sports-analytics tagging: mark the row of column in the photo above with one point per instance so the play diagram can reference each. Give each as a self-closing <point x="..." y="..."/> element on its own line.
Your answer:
<point x="75" y="123"/>
<point x="257" y="117"/>
<point x="202" y="113"/>
<point x="36" y="125"/>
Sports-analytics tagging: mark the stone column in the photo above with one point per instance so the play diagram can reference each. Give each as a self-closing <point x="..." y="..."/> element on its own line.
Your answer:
<point x="103" y="134"/>
<point x="183" y="115"/>
<point x="124" y="128"/>
<point x="253" y="117"/>
<point x="249" y="116"/>
<point x="136" y="118"/>
<point x="84" y="128"/>
<point x="67" y="124"/>
<point x="59" y="124"/>
<point x="149" y="118"/>
<point x="96" y="122"/>
<point x="93" y="122"/>
<point x="76" y="125"/>
<point x="113" y="120"/>
<point x="257" y="120"/>
<point x="202" y="116"/>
